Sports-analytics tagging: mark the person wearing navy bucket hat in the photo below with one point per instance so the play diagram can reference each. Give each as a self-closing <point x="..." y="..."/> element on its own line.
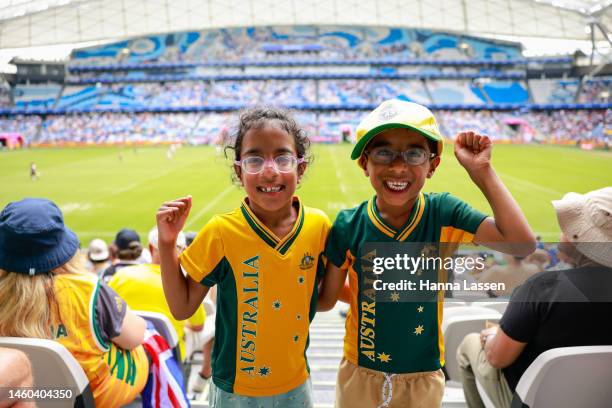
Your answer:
<point x="33" y="237"/>
<point x="47" y="292"/>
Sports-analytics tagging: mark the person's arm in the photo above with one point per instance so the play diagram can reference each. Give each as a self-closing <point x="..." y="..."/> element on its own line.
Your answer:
<point x="508" y="230"/>
<point x="132" y="331"/>
<point x="500" y="349"/>
<point x="331" y="287"/>
<point x="115" y="321"/>
<point x="345" y="293"/>
<point x="183" y="294"/>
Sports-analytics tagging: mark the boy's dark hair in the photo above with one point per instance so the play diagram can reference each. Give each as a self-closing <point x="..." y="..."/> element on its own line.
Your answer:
<point x="256" y="118"/>
<point x="433" y="146"/>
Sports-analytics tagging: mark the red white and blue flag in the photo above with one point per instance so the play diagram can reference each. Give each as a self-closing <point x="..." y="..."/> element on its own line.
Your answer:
<point x="165" y="385"/>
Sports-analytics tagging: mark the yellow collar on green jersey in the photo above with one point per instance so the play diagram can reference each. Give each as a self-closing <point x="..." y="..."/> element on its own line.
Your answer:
<point x="404" y="232"/>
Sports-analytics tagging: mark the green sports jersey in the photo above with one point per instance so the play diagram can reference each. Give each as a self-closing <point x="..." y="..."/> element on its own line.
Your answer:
<point x="396" y="337"/>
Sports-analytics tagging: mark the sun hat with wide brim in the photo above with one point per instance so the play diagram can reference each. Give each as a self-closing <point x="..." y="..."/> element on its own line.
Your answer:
<point x="394" y="114"/>
<point x="33" y="237"/>
<point x="586" y="221"/>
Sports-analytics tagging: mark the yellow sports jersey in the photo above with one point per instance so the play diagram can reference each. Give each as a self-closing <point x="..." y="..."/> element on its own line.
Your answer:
<point x="116" y="376"/>
<point x="141" y="287"/>
<point x="266" y="297"/>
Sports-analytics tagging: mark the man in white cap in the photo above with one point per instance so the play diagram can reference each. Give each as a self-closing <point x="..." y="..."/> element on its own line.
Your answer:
<point x="551" y="309"/>
<point x="98" y="256"/>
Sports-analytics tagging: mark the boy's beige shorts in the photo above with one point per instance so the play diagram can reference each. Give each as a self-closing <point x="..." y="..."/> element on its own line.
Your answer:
<point x="359" y="387"/>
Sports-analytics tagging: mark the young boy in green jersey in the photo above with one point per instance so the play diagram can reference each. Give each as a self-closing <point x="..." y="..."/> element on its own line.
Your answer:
<point x="394" y="351"/>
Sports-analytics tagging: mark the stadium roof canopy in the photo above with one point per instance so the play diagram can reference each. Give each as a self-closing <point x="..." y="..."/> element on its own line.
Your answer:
<point x="29" y="23"/>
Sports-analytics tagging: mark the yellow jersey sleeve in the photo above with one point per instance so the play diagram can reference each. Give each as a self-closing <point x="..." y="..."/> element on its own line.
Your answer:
<point x="203" y="259"/>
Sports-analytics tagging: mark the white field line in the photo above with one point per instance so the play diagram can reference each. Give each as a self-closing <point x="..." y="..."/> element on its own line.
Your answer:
<point x="533" y="186"/>
<point x="208" y="207"/>
<point x="137" y="183"/>
<point x="341" y="184"/>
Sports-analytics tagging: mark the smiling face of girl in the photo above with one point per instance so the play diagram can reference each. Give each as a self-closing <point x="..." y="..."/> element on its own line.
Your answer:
<point x="270" y="190"/>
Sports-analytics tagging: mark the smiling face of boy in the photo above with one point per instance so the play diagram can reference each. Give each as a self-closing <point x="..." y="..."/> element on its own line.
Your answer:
<point x="397" y="184"/>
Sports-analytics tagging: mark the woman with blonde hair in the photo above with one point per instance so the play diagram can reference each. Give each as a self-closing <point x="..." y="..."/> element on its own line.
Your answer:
<point x="47" y="292"/>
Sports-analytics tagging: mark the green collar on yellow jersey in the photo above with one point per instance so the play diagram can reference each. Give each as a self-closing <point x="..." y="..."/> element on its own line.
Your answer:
<point x="281" y="245"/>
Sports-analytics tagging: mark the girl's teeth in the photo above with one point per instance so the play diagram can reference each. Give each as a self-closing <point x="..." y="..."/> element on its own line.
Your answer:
<point x="270" y="189"/>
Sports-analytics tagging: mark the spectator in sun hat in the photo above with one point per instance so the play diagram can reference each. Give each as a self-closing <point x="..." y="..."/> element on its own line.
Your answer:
<point x="98" y="256"/>
<point x="40" y="259"/>
<point x="551" y="309"/>
<point x="125" y="250"/>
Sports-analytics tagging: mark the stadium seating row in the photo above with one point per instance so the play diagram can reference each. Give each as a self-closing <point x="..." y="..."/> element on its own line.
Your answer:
<point x="319" y="62"/>
<point x="304" y="93"/>
<point x="548" y="382"/>
<point x="558" y="126"/>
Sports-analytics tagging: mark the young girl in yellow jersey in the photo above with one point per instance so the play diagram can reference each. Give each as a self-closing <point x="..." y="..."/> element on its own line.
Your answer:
<point x="46" y="292"/>
<point x="265" y="257"/>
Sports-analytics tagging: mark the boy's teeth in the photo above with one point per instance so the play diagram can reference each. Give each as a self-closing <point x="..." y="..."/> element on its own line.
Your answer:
<point x="271" y="189"/>
<point x="396" y="185"/>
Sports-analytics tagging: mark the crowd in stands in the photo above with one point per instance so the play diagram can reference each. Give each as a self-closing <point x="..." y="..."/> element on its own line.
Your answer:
<point x="117" y="128"/>
<point x="596" y="91"/>
<point x="5" y="96"/>
<point x="297" y="43"/>
<point x="183" y="93"/>
<point x="28" y="126"/>
<point x="563" y="126"/>
<point x="578" y="126"/>
<point x="485" y="122"/>
<point x="303" y="93"/>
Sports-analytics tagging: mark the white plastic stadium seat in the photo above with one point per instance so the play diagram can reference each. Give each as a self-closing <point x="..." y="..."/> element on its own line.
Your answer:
<point x="567" y="377"/>
<point x="54" y="367"/>
<point x="457" y="323"/>
<point x="164" y="328"/>
<point x="450" y="302"/>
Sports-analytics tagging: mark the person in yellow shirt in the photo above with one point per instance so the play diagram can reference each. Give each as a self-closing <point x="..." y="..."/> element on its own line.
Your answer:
<point x="47" y="292"/>
<point x="141" y="287"/>
<point x="265" y="259"/>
